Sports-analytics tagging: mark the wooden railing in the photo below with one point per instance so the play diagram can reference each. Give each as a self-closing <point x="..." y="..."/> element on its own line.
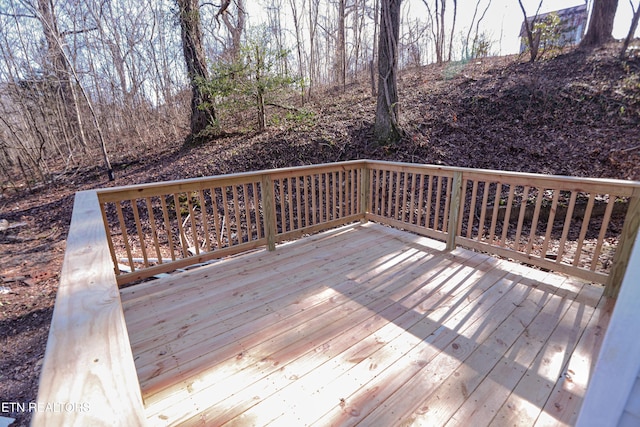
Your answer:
<point x="584" y="227"/>
<point x="160" y="227"/>
<point x="88" y="376"/>
<point x="565" y="224"/>
<point x="578" y="226"/>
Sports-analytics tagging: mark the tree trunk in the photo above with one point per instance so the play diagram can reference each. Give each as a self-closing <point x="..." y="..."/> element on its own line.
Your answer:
<point x="296" y="25"/>
<point x="601" y="23"/>
<point x="234" y="27"/>
<point x="202" y="111"/>
<point x="340" y="69"/>
<point x="52" y="35"/>
<point x="632" y="31"/>
<point x="387" y="129"/>
<point x="533" y="39"/>
<point x="374" y="51"/>
<point x="453" y="27"/>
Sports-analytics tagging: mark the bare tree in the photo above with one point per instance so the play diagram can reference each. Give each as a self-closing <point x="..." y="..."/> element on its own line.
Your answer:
<point x="314" y="10"/>
<point x="387" y="127"/>
<point x="469" y="53"/>
<point x="529" y="25"/>
<point x="632" y="29"/>
<point x="59" y="66"/>
<point x="437" y="19"/>
<point x="235" y="24"/>
<point x="453" y="27"/>
<point x="340" y="62"/>
<point x="600" y="24"/>
<point x="299" y="43"/>
<point x="202" y="111"/>
<point x="374" y="51"/>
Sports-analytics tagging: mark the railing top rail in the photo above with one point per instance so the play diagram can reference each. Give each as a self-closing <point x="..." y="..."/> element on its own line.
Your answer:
<point x="88" y="362"/>
<point x="568" y="181"/>
<point x="142" y="190"/>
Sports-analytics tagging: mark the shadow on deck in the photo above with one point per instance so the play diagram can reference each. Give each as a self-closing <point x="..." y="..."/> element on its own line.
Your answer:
<point x="369" y="325"/>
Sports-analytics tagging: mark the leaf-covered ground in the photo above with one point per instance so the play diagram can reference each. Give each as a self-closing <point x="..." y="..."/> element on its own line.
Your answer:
<point x="578" y="114"/>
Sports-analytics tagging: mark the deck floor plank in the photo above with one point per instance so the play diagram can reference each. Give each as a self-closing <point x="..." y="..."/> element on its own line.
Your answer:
<point x="242" y="302"/>
<point x="241" y="335"/>
<point x="396" y="305"/>
<point x="364" y="325"/>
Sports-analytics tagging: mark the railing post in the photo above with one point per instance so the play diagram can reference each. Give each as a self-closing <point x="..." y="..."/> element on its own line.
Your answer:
<point x="365" y="184"/>
<point x="269" y="211"/>
<point x="454" y="210"/>
<point x="625" y="246"/>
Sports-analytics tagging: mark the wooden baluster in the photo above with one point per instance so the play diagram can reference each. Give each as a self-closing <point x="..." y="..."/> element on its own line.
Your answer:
<point x="226" y="209"/>
<point x="247" y="212"/>
<point x="523" y="210"/>
<point x="327" y="197"/>
<point x="412" y="200"/>
<point x="419" y="208"/>
<point x="154" y="231"/>
<point x="463" y="199"/>
<point x="194" y="226"/>
<point x="383" y="190"/>
<point x="483" y="209"/>
<point x="268" y="204"/>
<point x="334" y="194"/>
<point x="216" y="216"/>
<point x="353" y="189"/>
<point x="125" y="237"/>
<point x="496" y="211"/>
<point x="298" y="216"/>
<point x="447" y="203"/>
<point x="507" y="215"/>
<point x="290" y="203"/>
<point x="375" y="184"/>
<point x="204" y="219"/>
<point x="256" y="209"/>
<point x="603" y="231"/>
<point x="534" y="221"/>
<point x="436" y="218"/>
<point x="183" y="238"/>
<point x="305" y="201"/>
<point x="109" y="238"/>
<point x="340" y="190"/>
<point x="566" y="226"/>
<point x="550" y="221"/>
<point x="429" y="199"/>
<point x="315" y="182"/>
<point x="236" y="210"/>
<point x="167" y="226"/>
<point x="398" y="213"/>
<point x="472" y="208"/>
<point x="403" y="208"/>
<point x="583" y="229"/>
<point x="141" y="239"/>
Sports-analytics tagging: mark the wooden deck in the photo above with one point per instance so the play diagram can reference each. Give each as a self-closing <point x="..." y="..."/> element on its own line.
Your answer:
<point x="364" y="325"/>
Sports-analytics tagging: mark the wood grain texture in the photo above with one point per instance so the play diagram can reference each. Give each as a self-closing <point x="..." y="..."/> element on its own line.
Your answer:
<point x="88" y="360"/>
<point x="363" y="324"/>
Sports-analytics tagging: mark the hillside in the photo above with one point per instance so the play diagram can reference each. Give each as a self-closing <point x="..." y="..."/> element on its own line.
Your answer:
<point x="577" y="114"/>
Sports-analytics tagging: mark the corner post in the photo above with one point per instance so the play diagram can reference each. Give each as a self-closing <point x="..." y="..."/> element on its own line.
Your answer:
<point x="625" y="246"/>
<point x="454" y="210"/>
<point x="269" y="211"/>
<point x="365" y="184"/>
